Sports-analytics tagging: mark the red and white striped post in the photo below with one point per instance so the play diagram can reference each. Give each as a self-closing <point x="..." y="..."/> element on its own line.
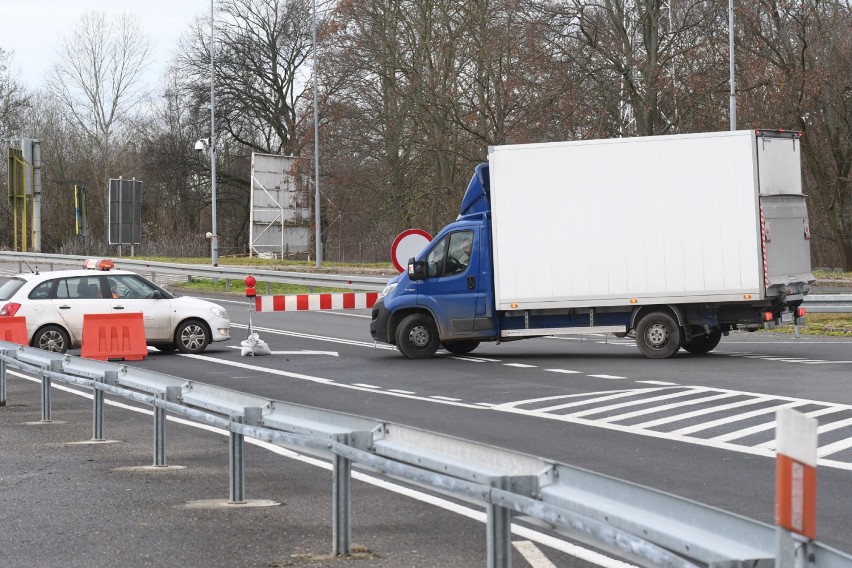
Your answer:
<point x="795" y="482"/>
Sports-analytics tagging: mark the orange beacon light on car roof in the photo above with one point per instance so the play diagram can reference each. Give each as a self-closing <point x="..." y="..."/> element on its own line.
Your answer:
<point x="99" y="264"/>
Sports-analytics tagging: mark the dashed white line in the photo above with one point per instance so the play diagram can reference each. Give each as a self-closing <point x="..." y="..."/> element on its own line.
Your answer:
<point x="520" y="365"/>
<point x="564" y="371"/>
<point x="400" y="391"/>
<point x="607" y="377"/>
<point x="663" y="383"/>
<point x="366" y="386"/>
<point x="449" y="398"/>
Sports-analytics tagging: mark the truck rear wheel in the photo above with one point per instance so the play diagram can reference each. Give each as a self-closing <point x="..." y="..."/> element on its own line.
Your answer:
<point x="703" y="344"/>
<point x="658" y="336"/>
<point x="462" y="347"/>
<point x="417" y="337"/>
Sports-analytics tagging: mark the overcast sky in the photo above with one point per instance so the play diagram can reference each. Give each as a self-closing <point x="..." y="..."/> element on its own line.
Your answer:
<point x="33" y="29"/>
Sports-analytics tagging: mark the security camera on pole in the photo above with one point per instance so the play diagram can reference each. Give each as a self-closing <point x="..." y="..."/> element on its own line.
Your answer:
<point x="253" y="344"/>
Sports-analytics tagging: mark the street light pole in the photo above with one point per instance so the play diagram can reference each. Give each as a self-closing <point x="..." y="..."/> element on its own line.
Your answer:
<point x="318" y="231"/>
<point x="733" y="103"/>
<point x="214" y="240"/>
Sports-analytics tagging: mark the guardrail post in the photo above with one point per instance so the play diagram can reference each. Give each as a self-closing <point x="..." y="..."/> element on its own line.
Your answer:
<point x="3" y="379"/>
<point x="98" y="410"/>
<point x="45" y="390"/>
<point x="499" y="539"/>
<point x="237" y="463"/>
<point x="342" y="501"/>
<point x="160" y="433"/>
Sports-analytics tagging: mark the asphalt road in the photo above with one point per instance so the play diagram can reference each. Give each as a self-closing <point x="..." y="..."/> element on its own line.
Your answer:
<point x="695" y="426"/>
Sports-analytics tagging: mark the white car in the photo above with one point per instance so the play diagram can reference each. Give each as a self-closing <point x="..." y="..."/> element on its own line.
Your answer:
<point x="54" y="304"/>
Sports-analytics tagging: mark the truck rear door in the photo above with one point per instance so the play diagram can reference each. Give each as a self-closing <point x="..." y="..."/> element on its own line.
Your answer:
<point x="784" y="212"/>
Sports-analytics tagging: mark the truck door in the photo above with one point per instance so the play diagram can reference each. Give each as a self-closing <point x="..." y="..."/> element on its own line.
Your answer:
<point x="452" y="286"/>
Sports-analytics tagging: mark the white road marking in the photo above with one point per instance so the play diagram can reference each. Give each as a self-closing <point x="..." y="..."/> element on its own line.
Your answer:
<point x="607" y="377"/>
<point x="303" y="352"/>
<point x="531" y="553"/>
<point x="400" y="391"/>
<point x="451" y="399"/>
<point x="731" y="419"/>
<point x="665" y="383"/>
<point x="703" y="411"/>
<point x="329" y="382"/>
<point x="520" y="365"/>
<point x="366" y="386"/>
<point x="770" y="426"/>
<point x="666" y="407"/>
<point x="565" y="371"/>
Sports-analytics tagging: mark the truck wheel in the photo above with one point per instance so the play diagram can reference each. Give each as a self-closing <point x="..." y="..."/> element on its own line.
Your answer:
<point x="703" y="344"/>
<point x="417" y="337"/>
<point x="658" y="336"/>
<point x="462" y="347"/>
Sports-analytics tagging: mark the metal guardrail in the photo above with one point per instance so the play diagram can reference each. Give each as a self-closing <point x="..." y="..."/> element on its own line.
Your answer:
<point x="638" y="524"/>
<point x="344" y="281"/>
<point x="829" y="303"/>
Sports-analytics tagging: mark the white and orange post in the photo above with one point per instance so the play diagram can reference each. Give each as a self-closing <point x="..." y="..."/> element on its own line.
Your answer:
<point x="795" y="484"/>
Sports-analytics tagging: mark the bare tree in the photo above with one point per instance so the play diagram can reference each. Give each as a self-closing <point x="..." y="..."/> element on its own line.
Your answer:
<point x="98" y="80"/>
<point x="99" y="74"/>
<point x="13" y="97"/>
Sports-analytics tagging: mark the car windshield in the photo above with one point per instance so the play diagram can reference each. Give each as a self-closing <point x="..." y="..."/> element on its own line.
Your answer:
<point x="8" y="288"/>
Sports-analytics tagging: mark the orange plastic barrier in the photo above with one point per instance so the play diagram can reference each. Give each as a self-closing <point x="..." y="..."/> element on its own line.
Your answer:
<point x="14" y="330"/>
<point x="114" y="337"/>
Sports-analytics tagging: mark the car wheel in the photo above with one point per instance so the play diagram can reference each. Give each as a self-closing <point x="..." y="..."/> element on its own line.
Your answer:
<point x="192" y="336"/>
<point x="462" y="347"/>
<point x="704" y="343"/>
<point x="658" y="336"/>
<point x="52" y="338"/>
<point x="417" y="337"/>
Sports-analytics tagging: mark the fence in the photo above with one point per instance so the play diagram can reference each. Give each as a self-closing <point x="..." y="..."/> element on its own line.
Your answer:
<point x="638" y="524"/>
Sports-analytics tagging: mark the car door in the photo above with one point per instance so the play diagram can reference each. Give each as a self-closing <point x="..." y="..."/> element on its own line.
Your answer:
<point x="76" y="296"/>
<point x="131" y="293"/>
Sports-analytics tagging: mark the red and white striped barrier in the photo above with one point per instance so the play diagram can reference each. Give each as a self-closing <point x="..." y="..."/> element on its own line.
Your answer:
<point x="314" y="302"/>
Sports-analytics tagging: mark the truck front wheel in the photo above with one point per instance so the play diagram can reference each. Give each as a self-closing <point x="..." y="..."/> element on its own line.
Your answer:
<point x="658" y="336"/>
<point x="417" y="337"/>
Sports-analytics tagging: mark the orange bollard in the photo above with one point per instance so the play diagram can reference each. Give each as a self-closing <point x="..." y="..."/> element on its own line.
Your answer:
<point x="14" y="330"/>
<point x="114" y="337"/>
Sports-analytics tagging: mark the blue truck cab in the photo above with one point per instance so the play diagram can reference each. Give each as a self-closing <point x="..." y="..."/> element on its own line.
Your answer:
<point x="446" y="297"/>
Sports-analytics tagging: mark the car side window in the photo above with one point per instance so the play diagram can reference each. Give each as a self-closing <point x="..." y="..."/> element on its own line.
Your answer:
<point x="42" y="291"/>
<point x="129" y="287"/>
<point x="79" y="288"/>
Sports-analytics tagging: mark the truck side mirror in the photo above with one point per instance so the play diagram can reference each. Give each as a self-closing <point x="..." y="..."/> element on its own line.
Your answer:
<point x="416" y="269"/>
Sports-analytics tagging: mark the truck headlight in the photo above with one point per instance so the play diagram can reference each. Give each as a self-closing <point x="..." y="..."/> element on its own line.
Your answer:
<point x="388" y="289"/>
<point x="219" y="312"/>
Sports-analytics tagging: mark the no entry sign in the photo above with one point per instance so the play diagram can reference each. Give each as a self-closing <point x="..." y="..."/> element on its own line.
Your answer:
<point x="407" y="244"/>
